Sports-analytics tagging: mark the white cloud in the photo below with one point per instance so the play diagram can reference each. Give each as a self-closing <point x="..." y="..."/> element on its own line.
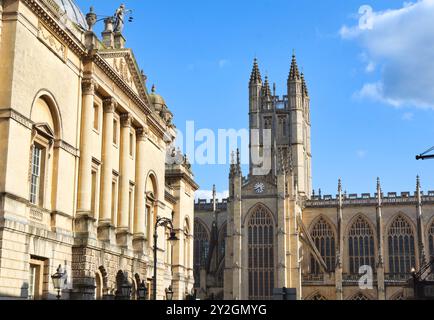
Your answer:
<point x="400" y="42"/>
<point x="222" y="63"/>
<point x="361" y="153"/>
<point x="408" y="116"/>
<point x="207" y="194"/>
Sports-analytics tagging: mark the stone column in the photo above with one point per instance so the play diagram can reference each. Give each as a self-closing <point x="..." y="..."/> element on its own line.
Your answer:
<point x="140" y="205"/>
<point x="123" y="231"/>
<point x="105" y="226"/>
<point x="85" y="169"/>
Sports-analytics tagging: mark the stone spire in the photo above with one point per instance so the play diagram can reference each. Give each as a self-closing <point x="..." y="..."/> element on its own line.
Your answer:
<point x="238" y="164"/>
<point x="294" y="74"/>
<point x="214" y="207"/>
<point x="304" y="86"/>
<point x="340" y="218"/>
<point x="255" y="76"/>
<point x="232" y="167"/>
<point x="419" y="217"/>
<point x="379" y="225"/>
<point x="266" y="88"/>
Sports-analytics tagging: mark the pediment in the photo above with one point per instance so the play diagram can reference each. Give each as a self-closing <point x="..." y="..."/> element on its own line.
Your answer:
<point x="44" y="129"/>
<point x="125" y="65"/>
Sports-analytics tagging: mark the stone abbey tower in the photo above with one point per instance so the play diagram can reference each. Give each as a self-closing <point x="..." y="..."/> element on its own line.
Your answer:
<point x="266" y="202"/>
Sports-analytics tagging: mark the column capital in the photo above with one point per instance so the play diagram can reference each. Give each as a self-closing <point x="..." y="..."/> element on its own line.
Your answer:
<point x="126" y="119"/>
<point x="89" y="86"/>
<point x="142" y="133"/>
<point x="110" y="105"/>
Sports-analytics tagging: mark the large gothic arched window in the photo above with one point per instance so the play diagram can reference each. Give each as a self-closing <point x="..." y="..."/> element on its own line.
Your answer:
<point x="401" y="246"/>
<point x="361" y="245"/>
<point x="222" y="241"/>
<point x="201" y="247"/>
<point x="324" y="239"/>
<point x="261" y="255"/>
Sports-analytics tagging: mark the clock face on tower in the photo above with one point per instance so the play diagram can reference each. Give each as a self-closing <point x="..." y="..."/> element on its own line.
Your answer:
<point x="259" y="188"/>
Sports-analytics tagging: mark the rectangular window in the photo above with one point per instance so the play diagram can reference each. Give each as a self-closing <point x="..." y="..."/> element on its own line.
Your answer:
<point x="35" y="180"/>
<point x="96" y="117"/>
<point x="93" y="195"/>
<point x="131" y="209"/>
<point x="115" y="131"/>
<point x="131" y="144"/>
<point x="32" y="282"/>
<point x="114" y="201"/>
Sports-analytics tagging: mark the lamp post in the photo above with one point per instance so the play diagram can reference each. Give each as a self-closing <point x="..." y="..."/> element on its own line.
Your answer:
<point x="58" y="280"/>
<point x="142" y="292"/>
<point x="161" y="222"/>
<point x="169" y="293"/>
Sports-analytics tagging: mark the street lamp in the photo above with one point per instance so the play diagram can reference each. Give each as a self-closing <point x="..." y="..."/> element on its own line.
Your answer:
<point x="58" y="280"/>
<point x="161" y="222"/>
<point x="142" y="291"/>
<point x="169" y="293"/>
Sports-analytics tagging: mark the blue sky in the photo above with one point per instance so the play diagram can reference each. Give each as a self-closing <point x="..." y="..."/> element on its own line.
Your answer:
<point x="370" y="89"/>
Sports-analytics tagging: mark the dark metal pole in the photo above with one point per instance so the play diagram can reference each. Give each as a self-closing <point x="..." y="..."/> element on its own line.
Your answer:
<point x="154" y="292"/>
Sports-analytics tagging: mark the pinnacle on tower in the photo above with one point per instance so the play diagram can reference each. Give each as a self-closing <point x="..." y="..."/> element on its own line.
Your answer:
<point x="294" y="74"/>
<point x="378" y="185"/>
<point x="266" y="88"/>
<point x="255" y="77"/>
<point x="304" y="86"/>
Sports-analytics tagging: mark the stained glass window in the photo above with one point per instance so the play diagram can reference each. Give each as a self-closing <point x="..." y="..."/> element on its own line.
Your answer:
<point x="261" y="255"/>
<point x="401" y="246"/>
<point x="324" y="239"/>
<point x="201" y="247"/>
<point x="361" y="245"/>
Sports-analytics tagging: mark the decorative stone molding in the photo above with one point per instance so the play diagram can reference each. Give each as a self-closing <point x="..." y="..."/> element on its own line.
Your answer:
<point x="52" y="42"/>
<point x="64" y="36"/>
<point x="122" y="68"/>
<point x="18" y="117"/>
<point x="142" y="133"/>
<point x="89" y="86"/>
<point x="67" y="147"/>
<point x="109" y="105"/>
<point x="126" y="119"/>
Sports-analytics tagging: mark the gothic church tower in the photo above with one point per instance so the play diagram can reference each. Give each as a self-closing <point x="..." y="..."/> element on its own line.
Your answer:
<point x="262" y="244"/>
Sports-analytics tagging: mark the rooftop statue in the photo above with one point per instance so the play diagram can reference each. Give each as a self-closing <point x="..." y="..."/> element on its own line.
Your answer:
<point x="119" y="18"/>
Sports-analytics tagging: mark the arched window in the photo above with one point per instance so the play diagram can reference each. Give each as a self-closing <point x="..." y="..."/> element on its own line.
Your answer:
<point x="222" y="241"/>
<point x="201" y="246"/>
<point x="261" y="255"/>
<point x="41" y="161"/>
<point x="401" y="246"/>
<point x="361" y="245"/>
<point x="187" y="254"/>
<point x="98" y="286"/>
<point x="431" y="240"/>
<point x="324" y="239"/>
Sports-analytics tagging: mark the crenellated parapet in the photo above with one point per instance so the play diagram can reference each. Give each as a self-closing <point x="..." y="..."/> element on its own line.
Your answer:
<point x="364" y="199"/>
<point x="207" y="205"/>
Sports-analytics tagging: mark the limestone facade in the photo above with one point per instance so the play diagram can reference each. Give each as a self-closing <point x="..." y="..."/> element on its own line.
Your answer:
<point x="83" y="170"/>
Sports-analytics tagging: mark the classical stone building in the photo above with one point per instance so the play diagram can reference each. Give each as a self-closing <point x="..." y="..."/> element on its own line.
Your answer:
<point x="273" y="231"/>
<point x="83" y="173"/>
